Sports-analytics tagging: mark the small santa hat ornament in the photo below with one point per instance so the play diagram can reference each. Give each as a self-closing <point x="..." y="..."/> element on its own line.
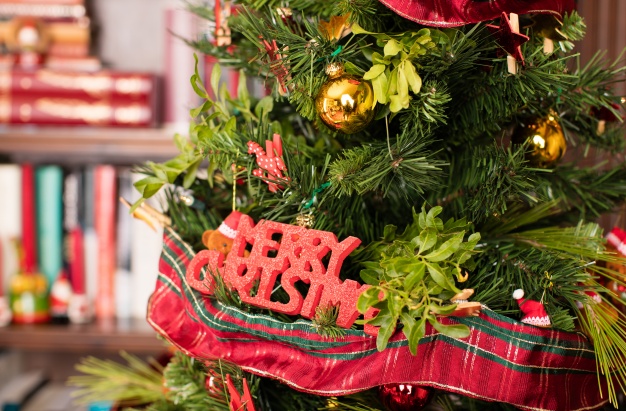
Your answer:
<point x="617" y="238"/>
<point x="595" y="297"/>
<point x="533" y="311"/>
<point x="230" y="224"/>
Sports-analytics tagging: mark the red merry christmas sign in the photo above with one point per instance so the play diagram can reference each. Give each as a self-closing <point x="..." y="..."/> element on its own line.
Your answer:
<point x="295" y="254"/>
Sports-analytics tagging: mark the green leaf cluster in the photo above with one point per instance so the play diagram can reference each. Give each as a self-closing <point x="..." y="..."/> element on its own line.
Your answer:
<point x="414" y="278"/>
<point x="393" y="73"/>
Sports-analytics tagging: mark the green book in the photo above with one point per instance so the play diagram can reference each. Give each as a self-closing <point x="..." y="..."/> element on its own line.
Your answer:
<point x="49" y="206"/>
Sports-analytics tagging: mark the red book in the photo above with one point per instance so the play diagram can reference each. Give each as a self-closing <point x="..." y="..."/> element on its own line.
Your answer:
<point x="69" y="111"/>
<point x="29" y="222"/>
<point x="105" y="221"/>
<point x="74" y="244"/>
<point x="96" y="85"/>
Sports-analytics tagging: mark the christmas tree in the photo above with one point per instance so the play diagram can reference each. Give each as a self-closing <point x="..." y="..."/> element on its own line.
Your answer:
<point x="396" y="224"/>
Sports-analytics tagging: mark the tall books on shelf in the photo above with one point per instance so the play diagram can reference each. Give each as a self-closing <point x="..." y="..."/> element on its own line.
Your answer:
<point x="70" y="224"/>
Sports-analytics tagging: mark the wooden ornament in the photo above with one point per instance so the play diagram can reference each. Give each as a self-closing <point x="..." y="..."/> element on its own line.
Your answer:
<point x="510" y="39"/>
<point x="239" y="402"/>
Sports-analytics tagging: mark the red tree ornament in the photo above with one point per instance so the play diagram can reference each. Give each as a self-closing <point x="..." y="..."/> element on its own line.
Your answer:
<point x="271" y="164"/>
<point x="453" y="13"/>
<point x="508" y="38"/>
<point x="404" y="397"/>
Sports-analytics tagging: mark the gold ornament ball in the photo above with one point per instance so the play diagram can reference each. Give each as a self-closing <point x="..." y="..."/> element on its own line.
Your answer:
<point x="345" y="102"/>
<point x="545" y="139"/>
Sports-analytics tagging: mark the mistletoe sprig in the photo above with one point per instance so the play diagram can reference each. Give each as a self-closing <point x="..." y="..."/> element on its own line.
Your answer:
<point x="414" y="278"/>
<point x="393" y="73"/>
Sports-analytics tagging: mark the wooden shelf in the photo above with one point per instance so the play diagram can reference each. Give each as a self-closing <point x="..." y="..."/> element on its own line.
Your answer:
<point x="87" y="144"/>
<point x="134" y="336"/>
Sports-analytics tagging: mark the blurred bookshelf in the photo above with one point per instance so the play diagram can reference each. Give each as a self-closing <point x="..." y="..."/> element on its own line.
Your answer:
<point x="86" y="144"/>
<point x="130" y="335"/>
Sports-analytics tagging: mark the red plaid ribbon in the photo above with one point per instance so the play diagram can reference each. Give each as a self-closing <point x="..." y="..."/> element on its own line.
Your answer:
<point x="452" y="13"/>
<point x="502" y="360"/>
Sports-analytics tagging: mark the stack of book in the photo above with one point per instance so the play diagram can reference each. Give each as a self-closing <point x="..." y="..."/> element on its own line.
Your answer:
<point x="48" y="77"/>
<point x="79" y="230"/>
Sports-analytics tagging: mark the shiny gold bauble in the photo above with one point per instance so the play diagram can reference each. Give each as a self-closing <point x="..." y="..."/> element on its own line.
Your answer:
<point x="345" y="102"/>
<point x="545" y="140"/>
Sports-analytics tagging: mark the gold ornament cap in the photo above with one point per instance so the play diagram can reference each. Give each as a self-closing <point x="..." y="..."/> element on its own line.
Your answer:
<point x="335" y="70"/>
<point x="305" y="220"/>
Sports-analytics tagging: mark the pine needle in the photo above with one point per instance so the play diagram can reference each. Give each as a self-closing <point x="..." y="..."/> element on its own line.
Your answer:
<point x="138" y="382"/>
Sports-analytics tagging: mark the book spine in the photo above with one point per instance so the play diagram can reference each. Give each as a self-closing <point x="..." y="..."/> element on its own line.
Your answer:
<point x="29" y="221"/>
<point x="146" y="247"/>
<point x="10" y="220"/>
<point x="72" y="205"/>
<point x="44" y="2"/>
<point x="124" y="291"/>
<point x="85" y="64"/>
<point x="97" y="85"/>
<point x="68" y="50"/>
<point x="67" y="111"/>
<point x="41" y="10"/>
<point x="104" y="220"/>
<point x="90" y="237"/>
<point x="49" y="206"/>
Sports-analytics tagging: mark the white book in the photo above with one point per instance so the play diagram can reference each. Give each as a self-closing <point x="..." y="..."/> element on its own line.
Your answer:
<point x="10" y="221"/>
<point x="146" y="245"/>
<point x="123" y="276"/>
<point x="90" y="237"/>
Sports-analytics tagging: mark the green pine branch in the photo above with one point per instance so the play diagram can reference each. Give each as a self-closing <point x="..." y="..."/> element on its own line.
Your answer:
<point x="590" y="191"/>
<point x="407" y="167"/>
<point x="135" y="383"/>
<point x="485" y="102"/>
<point x="485" y="181"/>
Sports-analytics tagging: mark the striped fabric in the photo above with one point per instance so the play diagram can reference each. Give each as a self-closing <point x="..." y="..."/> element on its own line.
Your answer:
<point x="502" y="360"/>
